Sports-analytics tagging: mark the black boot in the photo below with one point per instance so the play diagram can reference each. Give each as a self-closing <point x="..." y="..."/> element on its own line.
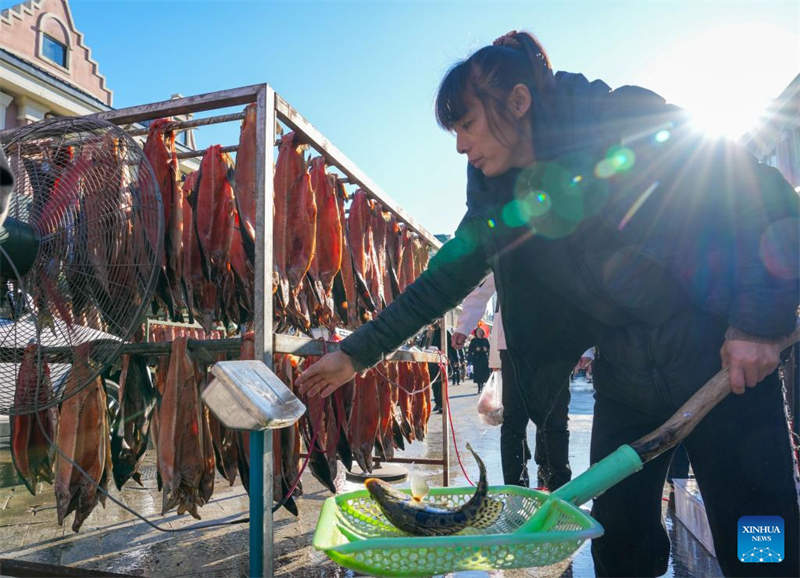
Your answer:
<point x="541" y="483"/>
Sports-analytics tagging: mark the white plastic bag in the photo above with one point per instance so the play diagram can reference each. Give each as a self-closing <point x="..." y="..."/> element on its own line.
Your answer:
<point x="490" y="404"/>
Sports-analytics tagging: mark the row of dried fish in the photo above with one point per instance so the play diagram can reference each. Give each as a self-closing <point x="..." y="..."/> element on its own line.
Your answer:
<point x="161" y="332"/>
<point x="97" y="440"/>
<point x="207" y="268"/>
<point x="329" y="270"/>
<point x="190" y="440"/>
<point x="336" y="270"/>
<point x="332" y="270"/>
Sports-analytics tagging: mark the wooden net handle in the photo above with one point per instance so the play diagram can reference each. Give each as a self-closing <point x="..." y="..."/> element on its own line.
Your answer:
<point x="681" y="424"/>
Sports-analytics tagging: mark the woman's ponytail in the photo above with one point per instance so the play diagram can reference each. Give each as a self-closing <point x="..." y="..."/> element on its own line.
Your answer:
<point x="543" y="77"/>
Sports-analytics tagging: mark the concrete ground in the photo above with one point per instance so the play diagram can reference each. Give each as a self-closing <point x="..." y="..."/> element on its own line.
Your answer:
<point x="113" y="540"/>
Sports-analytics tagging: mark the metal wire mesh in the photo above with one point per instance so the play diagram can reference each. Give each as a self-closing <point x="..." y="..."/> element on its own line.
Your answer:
<point x="89" y="198"/>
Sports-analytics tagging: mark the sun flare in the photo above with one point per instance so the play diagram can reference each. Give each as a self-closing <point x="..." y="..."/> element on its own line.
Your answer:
<point x="723" y="84"/>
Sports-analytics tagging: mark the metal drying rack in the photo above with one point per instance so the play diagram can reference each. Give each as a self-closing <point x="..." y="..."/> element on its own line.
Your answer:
<point x="271" y="108"/>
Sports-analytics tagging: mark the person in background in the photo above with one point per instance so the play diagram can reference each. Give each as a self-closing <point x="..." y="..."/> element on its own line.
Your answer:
<point x="478" y="355"/>
<point x="545" y="402"/>
<point x="431" y="339"/>
<point x="455" y="357"/>
<point x="584" y="366"/>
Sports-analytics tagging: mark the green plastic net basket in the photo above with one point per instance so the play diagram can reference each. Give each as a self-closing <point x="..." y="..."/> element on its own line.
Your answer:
<point x="354" y="533"/>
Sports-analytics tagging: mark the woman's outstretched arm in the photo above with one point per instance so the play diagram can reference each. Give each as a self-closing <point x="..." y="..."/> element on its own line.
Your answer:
<point x="458" y="267"/>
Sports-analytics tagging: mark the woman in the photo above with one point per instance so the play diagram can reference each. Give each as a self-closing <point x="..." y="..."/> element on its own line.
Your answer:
<point x="479" y="358"/>
<point x="607" y="222"/>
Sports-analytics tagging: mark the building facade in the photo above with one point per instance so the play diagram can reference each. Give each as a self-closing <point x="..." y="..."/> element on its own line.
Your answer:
<point x="776" y="139"/>
<point x="47" y="70"/>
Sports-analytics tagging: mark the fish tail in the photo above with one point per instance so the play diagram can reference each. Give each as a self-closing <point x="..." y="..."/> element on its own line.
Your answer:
<point x="490" y="508"/>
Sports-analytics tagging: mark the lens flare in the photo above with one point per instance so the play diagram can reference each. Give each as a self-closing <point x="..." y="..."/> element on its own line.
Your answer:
<point x="537" y="204"/>
<point x="622" y="157"/>
<point x="514" y="214"/>
<point x="618" y="160"/>
<point x="491" y="223"/>
<point x="520" y="212"/>
<point x="637" y="205"/>
<point x="662" y="136"/>
<point x="605" y="169"/>
<point x="779" y="248"/>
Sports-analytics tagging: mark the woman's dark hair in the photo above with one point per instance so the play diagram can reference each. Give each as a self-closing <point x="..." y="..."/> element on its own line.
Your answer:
<point x="491" y="73"/>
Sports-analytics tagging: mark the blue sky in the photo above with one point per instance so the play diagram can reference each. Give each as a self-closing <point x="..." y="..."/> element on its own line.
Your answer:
<point x="366" y="73"/>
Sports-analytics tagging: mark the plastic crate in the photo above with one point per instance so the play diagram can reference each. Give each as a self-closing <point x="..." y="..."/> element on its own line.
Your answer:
<point x="691" y="511"/>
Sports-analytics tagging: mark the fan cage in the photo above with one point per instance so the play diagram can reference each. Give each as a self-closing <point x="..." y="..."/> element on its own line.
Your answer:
<point x="91" y="198"/>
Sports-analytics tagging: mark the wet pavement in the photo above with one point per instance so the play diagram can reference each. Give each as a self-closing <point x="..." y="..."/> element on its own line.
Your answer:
<point x="114" y="540"/>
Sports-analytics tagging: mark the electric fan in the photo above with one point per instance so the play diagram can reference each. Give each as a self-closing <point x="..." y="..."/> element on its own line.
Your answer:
<point x="80" y="253"/>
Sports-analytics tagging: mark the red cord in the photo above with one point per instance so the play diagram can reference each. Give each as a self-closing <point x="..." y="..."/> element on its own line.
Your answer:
<point x="442" y="369"/>
<point x="415" y="391"/>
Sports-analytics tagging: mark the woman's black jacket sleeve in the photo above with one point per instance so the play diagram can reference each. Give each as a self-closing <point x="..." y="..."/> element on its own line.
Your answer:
<point x="456" y="269"/>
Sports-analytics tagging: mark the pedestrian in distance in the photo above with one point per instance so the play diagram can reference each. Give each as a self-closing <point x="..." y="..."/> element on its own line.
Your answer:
<point x="478" y="355"/>
<point x="431" y="340"/>
<point x="608" y="221"/>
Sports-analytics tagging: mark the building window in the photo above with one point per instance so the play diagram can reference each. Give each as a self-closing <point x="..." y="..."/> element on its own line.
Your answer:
<point x="54" y="51"/>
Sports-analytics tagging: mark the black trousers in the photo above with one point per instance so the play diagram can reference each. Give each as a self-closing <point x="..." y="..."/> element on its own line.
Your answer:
<point x="547" y="402"/>
<point x="455" y="372"/>
<point x="741" y="457"/>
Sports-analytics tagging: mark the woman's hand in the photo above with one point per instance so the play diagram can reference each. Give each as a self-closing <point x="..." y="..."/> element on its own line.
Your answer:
<point x="327" y="375"/>
<point x="458" y="340"/>
<point x="749" y="362"/>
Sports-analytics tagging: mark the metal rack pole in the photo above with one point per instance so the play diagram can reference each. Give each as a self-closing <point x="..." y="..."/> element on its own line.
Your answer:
<point x="181" y="125"/>
<point x="261" y="531"/>
<point x="195" y="154"/>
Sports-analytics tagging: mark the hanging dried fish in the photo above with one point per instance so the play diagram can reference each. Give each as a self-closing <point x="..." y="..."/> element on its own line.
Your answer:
<point x="130" y="432"/>
<point x="84" y="438"/>
<point x="32" y="454"/>
<point x="185" y="454"/>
